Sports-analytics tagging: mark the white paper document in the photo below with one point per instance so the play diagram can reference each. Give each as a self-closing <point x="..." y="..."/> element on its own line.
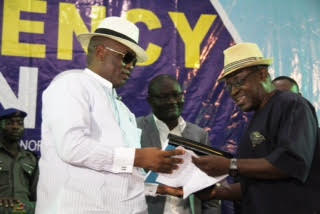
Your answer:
<point x="188" y="176"/>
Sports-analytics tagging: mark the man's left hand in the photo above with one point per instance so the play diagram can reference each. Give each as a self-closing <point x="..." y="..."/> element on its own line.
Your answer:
<point x="213" y="165"/>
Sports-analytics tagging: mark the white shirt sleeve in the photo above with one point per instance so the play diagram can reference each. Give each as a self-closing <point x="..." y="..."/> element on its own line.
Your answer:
<point x="66" y="112"/>
<point x="150" y="189"/>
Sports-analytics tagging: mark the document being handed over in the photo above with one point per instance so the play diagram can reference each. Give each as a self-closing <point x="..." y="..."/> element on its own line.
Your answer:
<point x="188" y="176"/>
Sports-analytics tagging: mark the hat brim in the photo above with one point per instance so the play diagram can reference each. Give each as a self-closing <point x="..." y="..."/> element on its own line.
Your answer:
<point x="245" y="65"/>
<point x="12" y="112"/>
<point x="142" y="56"/>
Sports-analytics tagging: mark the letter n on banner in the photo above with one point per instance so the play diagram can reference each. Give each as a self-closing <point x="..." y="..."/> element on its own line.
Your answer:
<point x="70" y="22"/>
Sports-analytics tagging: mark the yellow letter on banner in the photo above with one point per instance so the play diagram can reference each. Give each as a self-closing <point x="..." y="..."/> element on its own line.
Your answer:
<point x="12" y="26"/>
<point x="152" y="22"/>
<point x="192" y="38"/>
<point x="98" y="13"/>
<point x="71" y="22"/>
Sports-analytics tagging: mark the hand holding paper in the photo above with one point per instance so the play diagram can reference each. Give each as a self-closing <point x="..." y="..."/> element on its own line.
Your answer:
<point x="167" y="190"/>
<point x="188" y="176"/>
<point x="212" y="165"/>
<point x="157" y="160"/>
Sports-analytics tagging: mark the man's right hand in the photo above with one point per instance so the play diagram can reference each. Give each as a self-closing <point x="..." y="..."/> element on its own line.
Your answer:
<point x="231" y="192"/>
<point x="166" y="190"/>
<point x="157" y="160"/>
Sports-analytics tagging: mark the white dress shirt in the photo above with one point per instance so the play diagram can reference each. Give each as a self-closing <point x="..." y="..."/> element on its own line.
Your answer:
<point x="86" y="163"/>
<point x="173" y="205"/>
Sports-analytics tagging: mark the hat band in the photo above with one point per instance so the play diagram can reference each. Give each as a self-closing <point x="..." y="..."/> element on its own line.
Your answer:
<point x="114" y="33"/>
<point x="239" y="63"/>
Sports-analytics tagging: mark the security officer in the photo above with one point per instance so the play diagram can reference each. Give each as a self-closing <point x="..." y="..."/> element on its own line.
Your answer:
<point x="18" y="168"/>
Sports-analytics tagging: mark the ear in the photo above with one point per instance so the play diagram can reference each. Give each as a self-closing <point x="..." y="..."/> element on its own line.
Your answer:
<point x="2" y="124"/>
<point x="100" y="53"/>
<point x="149" y="99"/>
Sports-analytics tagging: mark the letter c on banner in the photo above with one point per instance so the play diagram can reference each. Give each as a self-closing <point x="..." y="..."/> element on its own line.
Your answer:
<point x="152" y="22"/>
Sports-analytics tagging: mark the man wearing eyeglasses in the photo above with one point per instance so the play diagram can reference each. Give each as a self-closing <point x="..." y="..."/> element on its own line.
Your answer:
<point x="91" y="160"/>
<point x="279" y="157"/>
<point x="166" y="99"/>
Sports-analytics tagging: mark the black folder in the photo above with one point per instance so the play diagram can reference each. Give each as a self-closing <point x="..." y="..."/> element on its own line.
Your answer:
<point x="198" y="148"/>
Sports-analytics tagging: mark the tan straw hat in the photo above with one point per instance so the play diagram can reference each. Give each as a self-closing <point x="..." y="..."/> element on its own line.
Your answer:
<point x="120" y="30"/>
<point x="241" y="56"/>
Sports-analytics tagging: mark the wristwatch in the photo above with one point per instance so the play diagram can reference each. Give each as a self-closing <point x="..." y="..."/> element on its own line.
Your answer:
<point x="233" y="169"/>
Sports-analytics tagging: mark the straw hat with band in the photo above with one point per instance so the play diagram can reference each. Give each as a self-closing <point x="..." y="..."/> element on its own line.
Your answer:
<point x="240" y="56"/>
<point x="120" y="30"/>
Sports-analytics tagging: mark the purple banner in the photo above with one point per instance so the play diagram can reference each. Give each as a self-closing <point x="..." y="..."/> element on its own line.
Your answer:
<point x="182" y="38"/>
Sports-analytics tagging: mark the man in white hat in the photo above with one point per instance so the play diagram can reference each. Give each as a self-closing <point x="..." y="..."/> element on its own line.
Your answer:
<point x="279" y="163"/>
<point x="91" y="160"/>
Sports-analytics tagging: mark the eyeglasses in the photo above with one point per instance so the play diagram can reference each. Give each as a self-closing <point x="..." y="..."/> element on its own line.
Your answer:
<point x="127" y="58"/>
<point x="239" y="82"/>
<point x="176" y="96"/>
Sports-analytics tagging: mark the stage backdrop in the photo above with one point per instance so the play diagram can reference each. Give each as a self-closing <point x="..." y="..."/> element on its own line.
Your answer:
<point x="182" y="38"/>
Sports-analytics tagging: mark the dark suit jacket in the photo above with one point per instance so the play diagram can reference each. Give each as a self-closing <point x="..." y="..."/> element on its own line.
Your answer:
<point x="150" y="138"/>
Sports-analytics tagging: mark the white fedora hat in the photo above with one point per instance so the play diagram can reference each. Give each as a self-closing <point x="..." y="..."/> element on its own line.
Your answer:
<point x="242" y="55"/>
<point x="120" y="30"/>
